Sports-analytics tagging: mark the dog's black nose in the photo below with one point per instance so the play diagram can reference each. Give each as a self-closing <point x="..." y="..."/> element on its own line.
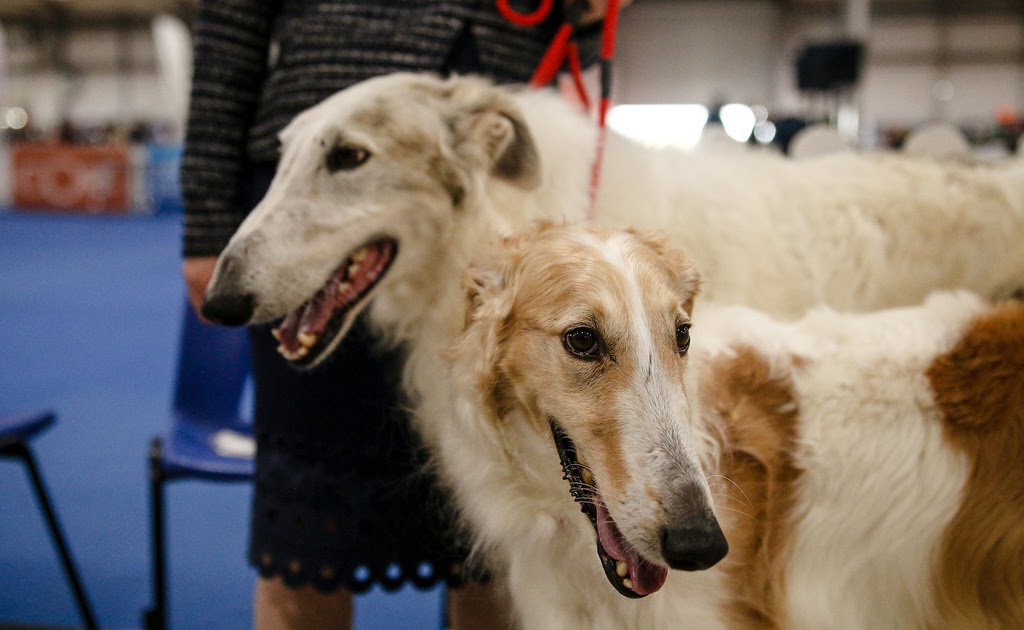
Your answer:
<point x="694" y="547"/>
<point x="231" y="309"/>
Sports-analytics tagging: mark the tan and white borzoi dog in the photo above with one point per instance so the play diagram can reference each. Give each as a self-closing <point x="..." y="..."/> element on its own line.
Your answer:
<point x="866" y="469"/>
<point x="387" y="190"/>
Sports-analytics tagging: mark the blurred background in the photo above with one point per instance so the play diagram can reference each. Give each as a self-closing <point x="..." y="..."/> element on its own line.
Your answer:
<point x="93" y="95"/>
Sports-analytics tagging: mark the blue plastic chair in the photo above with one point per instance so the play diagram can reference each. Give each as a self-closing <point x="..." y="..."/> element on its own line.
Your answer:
<point x="213" y="366"/>
<point x="16" y="430"/>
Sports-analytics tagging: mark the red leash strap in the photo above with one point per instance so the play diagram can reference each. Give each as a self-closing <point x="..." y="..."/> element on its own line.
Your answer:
<point x="608" y="31"/>
<point x="576" y="71"/>
<point x="553" y="58"/>
<point x="525" y="19"/>
<point x="563" y="50"/>
<point x="610" y="27"/>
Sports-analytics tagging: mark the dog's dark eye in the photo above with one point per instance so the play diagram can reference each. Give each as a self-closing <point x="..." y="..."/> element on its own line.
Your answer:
<point x="345" y="158"/>
<point x="682" y="338"/>
<point x="582" y="342"/>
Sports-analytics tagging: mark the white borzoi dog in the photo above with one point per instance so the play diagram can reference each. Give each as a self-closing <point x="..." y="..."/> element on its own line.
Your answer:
<point x="390" y="187"/>
<point x="866" y="469"/>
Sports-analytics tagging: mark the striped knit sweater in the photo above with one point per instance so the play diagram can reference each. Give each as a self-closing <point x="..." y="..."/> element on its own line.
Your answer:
<point x="258" y="63"/>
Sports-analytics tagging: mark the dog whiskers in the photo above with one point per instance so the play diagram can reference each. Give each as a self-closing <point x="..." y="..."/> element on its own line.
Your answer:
<point x="750" y="516"/>
<point x="746" y="499"/>
<point x="728" y="497"/>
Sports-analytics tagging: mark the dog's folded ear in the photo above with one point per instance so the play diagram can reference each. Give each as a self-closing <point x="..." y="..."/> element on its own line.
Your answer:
<point x="487" y="283"/>
<point x="497" y="139"/>
<point x="677" y="266"/>
<point x="490" y="297"/>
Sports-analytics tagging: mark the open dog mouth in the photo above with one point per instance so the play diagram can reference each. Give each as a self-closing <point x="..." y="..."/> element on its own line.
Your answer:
<point x="630" y="573"/>
<point x="307" y="332"/>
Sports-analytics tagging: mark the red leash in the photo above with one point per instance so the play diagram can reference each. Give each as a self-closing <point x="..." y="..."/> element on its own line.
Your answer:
<point x="526" y="19"/>
<point x="564" y="51"/>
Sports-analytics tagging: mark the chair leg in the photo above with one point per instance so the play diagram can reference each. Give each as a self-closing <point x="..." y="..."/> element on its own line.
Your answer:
<point x="446" y="609"/>
<point x="155" y="618"/>
<point x="22" y="451"/>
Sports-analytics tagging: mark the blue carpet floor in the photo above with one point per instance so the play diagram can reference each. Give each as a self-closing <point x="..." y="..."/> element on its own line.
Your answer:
<point x="89" y="310"/>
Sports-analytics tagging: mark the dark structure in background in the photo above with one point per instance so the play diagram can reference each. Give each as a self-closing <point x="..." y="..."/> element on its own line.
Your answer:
<point x="828" y="67"/>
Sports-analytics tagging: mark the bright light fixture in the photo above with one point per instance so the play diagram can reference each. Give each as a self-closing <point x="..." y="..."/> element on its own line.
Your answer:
<point x="764" y="132"/>
<point x="738" y="120"/>
<point x="16" y="118"/>
<point x="660" y="125"/>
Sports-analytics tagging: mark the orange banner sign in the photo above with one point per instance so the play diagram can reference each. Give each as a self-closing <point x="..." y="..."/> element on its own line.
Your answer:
<point x="71" y="177"/>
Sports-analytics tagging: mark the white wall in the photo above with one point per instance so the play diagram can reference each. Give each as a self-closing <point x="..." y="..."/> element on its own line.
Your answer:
<point x="116" y="78"/>
<point x="745" y="50"/>
<point x="696" y="52"/>
<point x="906" y="59"/>
<point x="668" y="51"/>
<point x="95" y="99"/>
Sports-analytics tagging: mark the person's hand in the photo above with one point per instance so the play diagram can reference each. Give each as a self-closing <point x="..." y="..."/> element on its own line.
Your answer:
<point x="197" y="271"/>
<point x="595" y="9"/>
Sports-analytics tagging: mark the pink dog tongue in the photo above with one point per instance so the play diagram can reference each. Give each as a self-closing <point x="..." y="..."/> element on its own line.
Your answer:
<point x="646" y="577"/>
<point x="346" y="284"/>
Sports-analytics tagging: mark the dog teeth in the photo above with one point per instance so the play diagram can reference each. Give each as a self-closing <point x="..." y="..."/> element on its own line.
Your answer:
<point x="276" y="333"/>
<point x="343" y="288"/>
<point x="307" y="339"/>
<point x="621" y="569"/>
<point x="628" y="583"/>
<point x="292" y="356"/>
<point x="359" y="255"/>
<point x="353" y="269"/>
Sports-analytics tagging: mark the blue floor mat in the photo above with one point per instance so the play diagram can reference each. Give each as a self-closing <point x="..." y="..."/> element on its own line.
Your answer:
<point x="89" y="310"/>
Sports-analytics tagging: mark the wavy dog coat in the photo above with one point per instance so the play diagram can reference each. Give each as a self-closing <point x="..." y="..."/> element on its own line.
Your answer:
<point x="864" y="468"/>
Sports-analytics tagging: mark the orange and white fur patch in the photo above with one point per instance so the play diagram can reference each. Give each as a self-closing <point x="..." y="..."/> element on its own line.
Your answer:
<point x="865" y="469"/>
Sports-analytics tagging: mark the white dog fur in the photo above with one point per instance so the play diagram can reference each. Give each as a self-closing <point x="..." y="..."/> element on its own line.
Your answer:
<point x="862" y="468"/>
<point x="443" y="169"/>
<point x="452" y="165"/>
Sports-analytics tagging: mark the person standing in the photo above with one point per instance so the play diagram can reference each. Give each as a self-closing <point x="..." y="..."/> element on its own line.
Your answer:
<point x="340" y="500"/>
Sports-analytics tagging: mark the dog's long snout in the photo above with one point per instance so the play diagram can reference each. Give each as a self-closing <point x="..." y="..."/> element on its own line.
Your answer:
<point x="231" y="309"/>
<point x="227" y="302"/>
<point x="694" y="546"/>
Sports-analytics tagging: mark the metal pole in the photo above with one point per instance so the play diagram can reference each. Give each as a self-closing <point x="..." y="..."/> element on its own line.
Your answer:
<point x="857" y="19"/>
<point x="155" y="618"/>
<point x="856" y="25"/>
